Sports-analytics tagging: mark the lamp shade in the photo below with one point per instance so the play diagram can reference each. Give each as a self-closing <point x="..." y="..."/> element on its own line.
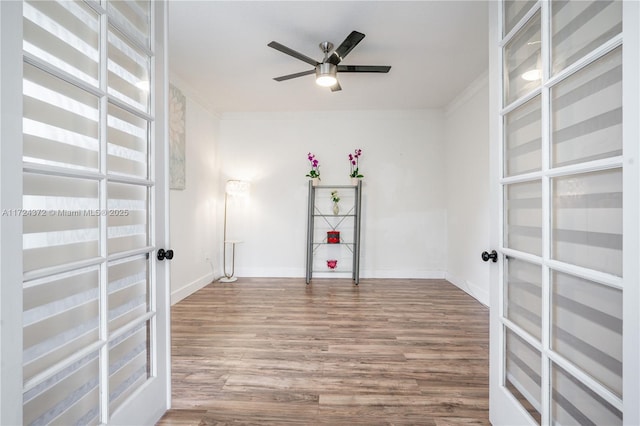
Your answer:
<point x="237" y="188"/>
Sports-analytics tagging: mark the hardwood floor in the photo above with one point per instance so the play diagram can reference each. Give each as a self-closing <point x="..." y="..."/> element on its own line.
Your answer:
<point x="276" y="351"/>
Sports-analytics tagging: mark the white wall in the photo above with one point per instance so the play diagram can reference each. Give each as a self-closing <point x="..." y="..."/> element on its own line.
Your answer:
<point x="195" y="211"/>
<point x="467" y="189"/>
<point x="404" y="210"/>
<point x="425" y="198"/>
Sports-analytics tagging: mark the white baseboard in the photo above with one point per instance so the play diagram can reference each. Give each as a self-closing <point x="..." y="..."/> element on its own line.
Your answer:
<point x="188" y="289"/>
<point x="403" y="274"/>
<point x="270" y="272"/>
<point x="473" y="290"/>
<point x="300" y="273"/>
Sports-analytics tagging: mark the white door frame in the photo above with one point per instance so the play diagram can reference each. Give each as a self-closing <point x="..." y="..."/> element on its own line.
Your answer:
<point x="503" y="408"/>
<point x="11" y="225"/>
<point x="156" y="392"/>
<point x="631" y="212"/>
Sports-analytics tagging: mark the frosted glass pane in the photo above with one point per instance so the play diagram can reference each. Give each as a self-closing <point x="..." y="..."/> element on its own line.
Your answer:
<point x="522" y="61"/>
<point x="60" y="317"/>
<point x="129" y="364"/>
<point x="129" y="67"/>
<point x="523" y="301"/>
<point x="514" y="11"/>
<point x="523" y="217"/>
<point x="522" y="134"/>
<point x="522" y="370"/>
<point x="578" y="27"/>
<point x="60" y="122"/>
<point x="587" y="327"/>
<point x="134" y="16"/>
<point x="587" y="220"/>
<point x="62" y="231"/>
<point x="71" y="397"/>
<point x="587" y="113"/>
<point x="128" y="291"/>
<point x="127" y="221"/>
<point x="127" y="137"/>
<point x="65" y="35"/>
<point x="573" y="403"/>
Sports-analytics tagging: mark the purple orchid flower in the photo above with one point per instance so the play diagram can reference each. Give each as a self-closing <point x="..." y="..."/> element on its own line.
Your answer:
<point x="315" y="166"/>
<point x="353" y="159"/>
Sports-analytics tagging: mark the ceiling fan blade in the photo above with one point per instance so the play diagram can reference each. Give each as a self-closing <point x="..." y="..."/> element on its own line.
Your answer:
<point x="291" y="52"/>
<point x="363" y="68"/>
<point x="336" y="87"/>
<point x="347" y="45"/>
<point x="290" y="76"/>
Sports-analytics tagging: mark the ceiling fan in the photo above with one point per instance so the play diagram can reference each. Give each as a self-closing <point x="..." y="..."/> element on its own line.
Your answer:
<point x="327" y="70"/>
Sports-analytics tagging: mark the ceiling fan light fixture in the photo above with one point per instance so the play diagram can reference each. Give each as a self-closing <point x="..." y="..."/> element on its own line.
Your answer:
<point x="326" y="74"/>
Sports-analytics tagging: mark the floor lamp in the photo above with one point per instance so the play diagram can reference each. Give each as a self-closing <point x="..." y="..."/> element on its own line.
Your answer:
<point x="234" y="188"/>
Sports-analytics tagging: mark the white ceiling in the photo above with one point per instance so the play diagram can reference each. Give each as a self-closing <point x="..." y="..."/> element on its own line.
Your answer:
<point x="219" y="49"/>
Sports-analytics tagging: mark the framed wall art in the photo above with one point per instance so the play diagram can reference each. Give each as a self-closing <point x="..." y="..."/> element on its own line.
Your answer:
<point x="177" y="138"/>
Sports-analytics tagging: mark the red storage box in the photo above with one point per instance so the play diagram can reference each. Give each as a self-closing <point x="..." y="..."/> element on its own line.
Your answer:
<point x="333" y="237"/>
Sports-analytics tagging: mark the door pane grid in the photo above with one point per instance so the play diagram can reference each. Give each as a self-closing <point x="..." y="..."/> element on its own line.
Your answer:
<point x="87" y="319"/>
<point x="579" y="204"/>
<point x="129" y="293"/>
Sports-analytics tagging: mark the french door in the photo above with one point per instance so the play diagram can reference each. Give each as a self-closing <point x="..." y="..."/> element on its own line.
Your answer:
<point x="566" y="186"/>
<point x="93" y="344"/>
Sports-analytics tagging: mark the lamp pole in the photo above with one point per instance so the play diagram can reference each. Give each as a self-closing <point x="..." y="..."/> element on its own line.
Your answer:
<point x="234" y="188"/>
<point x="228" y="278"/>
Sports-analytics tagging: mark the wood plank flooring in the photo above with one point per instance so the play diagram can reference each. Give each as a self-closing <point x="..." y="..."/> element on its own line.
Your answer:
<point x="276" y="351"/>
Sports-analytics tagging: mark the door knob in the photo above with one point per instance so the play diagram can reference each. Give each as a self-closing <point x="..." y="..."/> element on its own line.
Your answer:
<point x="493" y="256"/>
<point x="165" y="254"/>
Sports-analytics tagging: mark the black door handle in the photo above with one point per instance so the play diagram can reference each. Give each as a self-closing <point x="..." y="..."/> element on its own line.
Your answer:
<point x="165" y="254"/>
<point x="493" y="256"/>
